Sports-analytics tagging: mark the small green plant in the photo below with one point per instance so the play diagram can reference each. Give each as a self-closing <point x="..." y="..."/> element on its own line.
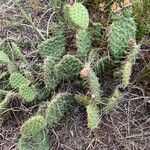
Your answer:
<point x="33" y="136"/>
<point x="57" y="107"/>
<point x="77" y="15"/>
<point x="17" y="80"/>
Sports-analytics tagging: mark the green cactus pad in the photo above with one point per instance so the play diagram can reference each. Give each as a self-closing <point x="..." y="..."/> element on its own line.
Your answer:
<point x="54" y="46"/>
<point x="17" y="80"/>
<point x="93" y="115"/>
<point x="113" y="100"/>
<point x="57" y="107"/>
<point x="77" y="15"/>
<point x="120" y="32"/>
<point x="93" y="85"/>
<point x="50" y="78"/>
<point x="33" y="125"/>
<point x="27" y="94"/>
<point x="83" y="43"/>
<point x="4" y="58"/>
<point x="38" y="141"/>
<point x="68" y="67"/>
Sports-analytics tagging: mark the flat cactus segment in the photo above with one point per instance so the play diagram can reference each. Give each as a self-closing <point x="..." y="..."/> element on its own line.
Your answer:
<point x="126" y="69"/>
<point x="33" y="125"/>
<point x="57" y="107"/>
<point x="50" y="78"/>
<point x="83" y="43"/>
<point x="93" y="115"/>
<point x="68" y="67"/>
<point x="4" y="58"/>
<point x="113" y="100"/>
<point x="38" y="141"/>
<point x="119" y="33"/>
<point x="17" y="80"/>
<point x="27" y="94"/>
<point x="77" y="16"/>
<point x="90" y="77"/>
<point x="54" y="46"/>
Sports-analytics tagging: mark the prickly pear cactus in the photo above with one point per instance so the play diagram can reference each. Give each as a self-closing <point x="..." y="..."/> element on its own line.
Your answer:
<point x="33" y="125"/>
<point x="33" y="136"/>
<point x="57" y="107"/>
<point x="83" y="43"/>
<point x="121" y="30"/>
<point x="77" y="15"/>
<point x="68" y="67"/>
<point x="17" y="80"/>
<point x="27" y="94"/>
<point x="126" y="70"/>
<point x="93" y="115"/>
<point x="54" y="46"/>
<point x="50" y="78"/>
<point x="4" y="58"/>
<point x="38" y="141"/>
<point x="113" y="100"/>
<point x="90" y="77"/>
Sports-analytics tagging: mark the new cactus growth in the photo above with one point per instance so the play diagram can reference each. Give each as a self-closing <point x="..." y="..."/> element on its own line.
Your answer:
<point x="68" y="67"/>
<point x="4" y="58"/>
<point x="27" y="94"/>
<point x="121" y="30"/>
<point x="93" y="115"/>
<point x="17" y="80"/>
<point x="83" y="43"/>
<point x="57" y="107"/>
<point x="77" y="15"/>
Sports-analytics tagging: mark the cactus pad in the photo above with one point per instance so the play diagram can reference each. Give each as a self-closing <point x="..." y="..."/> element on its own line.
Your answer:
<point x="77" y="15"/>
<point x="120" y="32"/>
<point x="33" y="125"/>
<point x="93" y="115"/>
<point x="38" y="141"/>
<point x="4" y="58"/>
<point x="57" y="107"/>
<point x="16" y="80"/>
<point x="68" y="67"/>
<point x="50" y="78"/>
<point x="83" y="43"/>
<point x="54" y="46"/>
<point x="27" y="94"/>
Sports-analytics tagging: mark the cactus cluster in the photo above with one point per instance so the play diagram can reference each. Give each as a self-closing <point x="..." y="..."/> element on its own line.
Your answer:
<point x="85" y="66"/>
